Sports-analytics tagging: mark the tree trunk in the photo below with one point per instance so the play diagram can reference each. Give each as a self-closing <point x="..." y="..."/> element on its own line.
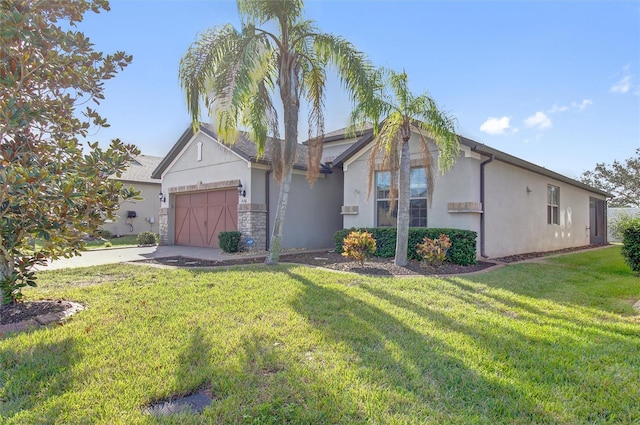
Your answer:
<point x="275" y="245"/>
<point x="288" y="82"/>
<point x="6" y="270"/>
<point x="404" y="183"/>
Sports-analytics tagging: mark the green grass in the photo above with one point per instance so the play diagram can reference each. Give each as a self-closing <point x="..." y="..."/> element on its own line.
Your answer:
<point x="525" y="344"/>
<point x="122" y="241"/>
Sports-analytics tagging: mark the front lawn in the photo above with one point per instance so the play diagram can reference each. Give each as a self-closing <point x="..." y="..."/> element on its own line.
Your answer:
<point x="526" y="344"/>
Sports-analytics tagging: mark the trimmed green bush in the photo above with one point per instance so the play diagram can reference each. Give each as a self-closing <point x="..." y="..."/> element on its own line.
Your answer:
<point x="230" y="241"/>
<point x="147" y="238"/>
<point x="462" y="251"/>
<point x="631" y="246"/>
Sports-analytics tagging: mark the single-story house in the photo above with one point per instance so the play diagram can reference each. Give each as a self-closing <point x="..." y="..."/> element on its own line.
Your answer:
<point x="514" y="206"/>
<point x="141" y="215"/>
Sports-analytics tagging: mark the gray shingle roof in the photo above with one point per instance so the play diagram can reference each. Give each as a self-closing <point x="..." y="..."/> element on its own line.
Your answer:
<point x="141" y="169"/>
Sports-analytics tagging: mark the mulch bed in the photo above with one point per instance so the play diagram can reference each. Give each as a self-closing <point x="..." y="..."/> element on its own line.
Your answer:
<point x="532" y="255"/>
<point x="375" y="266"/>
<point x="17" y="312"/>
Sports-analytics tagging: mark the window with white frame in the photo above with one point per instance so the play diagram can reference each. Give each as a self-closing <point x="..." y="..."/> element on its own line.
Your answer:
<point x="553" y="204"/>
<point x="417" y="202"/>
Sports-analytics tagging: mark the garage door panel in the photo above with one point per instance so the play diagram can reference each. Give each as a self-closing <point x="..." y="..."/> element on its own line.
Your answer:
<point x="200" y="217"/>
<point x="182" y="226"/>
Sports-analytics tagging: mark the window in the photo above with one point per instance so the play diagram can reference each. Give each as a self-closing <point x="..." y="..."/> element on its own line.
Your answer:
<point x="553" y="205"/>
<point x="417" y="202"/>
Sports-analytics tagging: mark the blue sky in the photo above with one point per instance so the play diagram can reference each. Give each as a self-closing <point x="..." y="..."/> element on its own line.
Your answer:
<point x="556" y="83"/>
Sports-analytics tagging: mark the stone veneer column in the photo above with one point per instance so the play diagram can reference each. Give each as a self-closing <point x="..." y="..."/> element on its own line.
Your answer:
<point x="252" y="223"/>
<point x="163" y="226"/>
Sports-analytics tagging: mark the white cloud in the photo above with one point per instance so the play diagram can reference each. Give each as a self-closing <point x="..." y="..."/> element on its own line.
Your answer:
<point x="539" y="120"/>
<point x="495" y="125"/>
<point x="582" y="105"/>
<point x="624" y="84"/>
<point x="555" y="108"/>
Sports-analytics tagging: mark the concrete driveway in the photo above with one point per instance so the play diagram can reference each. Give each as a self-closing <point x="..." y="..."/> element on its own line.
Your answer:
<point x="120" y="255"/>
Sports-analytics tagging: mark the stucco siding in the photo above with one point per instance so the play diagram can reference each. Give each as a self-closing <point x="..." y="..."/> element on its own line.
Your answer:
<point x="331" y="150"/>
<point x="313" y="213"/>
<point x="516" y="212"/>
<point x="459" y="184"/>
<point x="217" y="164"/>
<point x="146" y="210"/>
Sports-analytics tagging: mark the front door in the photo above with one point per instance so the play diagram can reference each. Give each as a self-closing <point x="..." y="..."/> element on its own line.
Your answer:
<point x="597" y="221"/>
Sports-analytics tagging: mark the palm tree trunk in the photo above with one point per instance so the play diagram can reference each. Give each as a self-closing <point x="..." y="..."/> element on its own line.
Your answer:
<point x="291" y="104"/>
<point x="275" y="245"/>
<point x="404" y="183"/>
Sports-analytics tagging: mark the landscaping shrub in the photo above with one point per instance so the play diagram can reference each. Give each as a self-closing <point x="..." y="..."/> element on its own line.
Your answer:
<point x="147" y="238"/>
<point x="230" y="241"/>
<point x="358" y="246"/>
<point x="631" y="245"/>
<point x="462" y="251"/>
<point x="434" y="251"/>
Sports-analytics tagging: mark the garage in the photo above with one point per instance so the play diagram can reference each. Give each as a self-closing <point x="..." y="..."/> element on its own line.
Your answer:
<point x="201" y="216"/>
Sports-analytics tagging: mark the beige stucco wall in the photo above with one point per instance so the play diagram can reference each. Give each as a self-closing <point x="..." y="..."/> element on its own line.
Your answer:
<point x="146" y="211"/>
<point x="330" y="150"/>
<point x="516" y="219"/>
<point x="218" y="164"/>
<point x="459" y="184"/>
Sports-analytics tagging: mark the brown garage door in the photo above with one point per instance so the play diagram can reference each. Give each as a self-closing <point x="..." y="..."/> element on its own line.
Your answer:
<point x="201" y="216"/>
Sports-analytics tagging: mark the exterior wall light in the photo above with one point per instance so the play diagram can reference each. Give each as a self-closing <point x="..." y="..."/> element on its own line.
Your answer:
<point x="241" y="191"/>
<point x="162" y="197"/>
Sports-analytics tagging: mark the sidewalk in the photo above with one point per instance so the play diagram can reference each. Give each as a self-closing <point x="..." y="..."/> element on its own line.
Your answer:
<point x="119" y="255"/>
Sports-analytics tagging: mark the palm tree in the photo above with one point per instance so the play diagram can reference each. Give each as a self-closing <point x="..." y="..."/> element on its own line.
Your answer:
<point x="236" y="74"/>
<point x="395" y="114"/>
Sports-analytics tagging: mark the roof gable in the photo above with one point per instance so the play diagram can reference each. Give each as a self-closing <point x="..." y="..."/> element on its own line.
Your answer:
<point x="243" y="147"/>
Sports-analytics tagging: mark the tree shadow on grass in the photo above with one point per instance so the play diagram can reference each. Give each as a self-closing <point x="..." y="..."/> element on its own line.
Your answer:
<point x="254" y="379"/>
<point x="32" y="377"/>
<point x="415" y="374"/>
<point x="550" y="354"/>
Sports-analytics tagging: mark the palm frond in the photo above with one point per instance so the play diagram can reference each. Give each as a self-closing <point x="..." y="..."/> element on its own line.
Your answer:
<point x="261" y="11"/>
<point x="200" y="65"/>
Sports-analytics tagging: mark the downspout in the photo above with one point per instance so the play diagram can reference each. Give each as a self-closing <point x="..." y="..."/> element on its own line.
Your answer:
<point x="482" y="202"/>
<point x="266" y="197"/>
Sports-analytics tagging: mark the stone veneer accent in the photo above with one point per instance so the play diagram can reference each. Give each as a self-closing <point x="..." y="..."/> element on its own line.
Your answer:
<point x="163" y="226"/>
<point x="252" y="223"/>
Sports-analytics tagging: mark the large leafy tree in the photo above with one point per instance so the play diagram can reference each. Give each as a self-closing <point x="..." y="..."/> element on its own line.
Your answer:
<point x="621" y="179"/>
<point x="51" y="189"/>
<point x="237" y="72"/>
<point x="396" y="113"/>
